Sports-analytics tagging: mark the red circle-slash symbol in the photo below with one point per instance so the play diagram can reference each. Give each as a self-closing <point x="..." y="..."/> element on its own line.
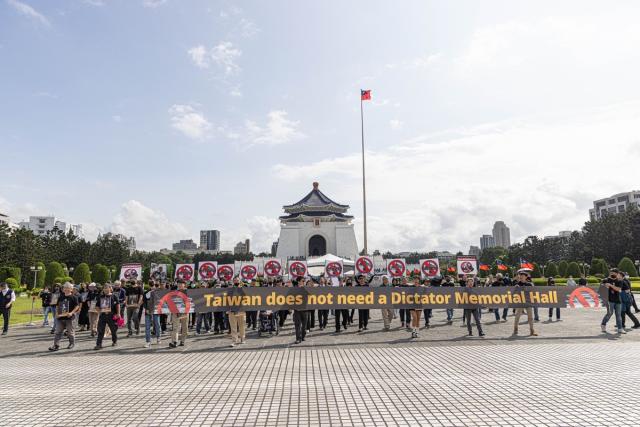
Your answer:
<point x="185" y="272"/>
<point x="248" y="272"/>
<point x="272" y="268"/>
<point x="297" y="269"/>
<point x="333" y="269"/>
<point x="168" y="299"/>
<point x="364" y="265"/>
<point x="467" y="267"/>
<point x="580" y="294"/>
<point x="429" y="268"/>
<point x="131" y="274"/>
<point x="396" y="268"/>
<point x="207" y="271"/>
<point x="225" y="272"/>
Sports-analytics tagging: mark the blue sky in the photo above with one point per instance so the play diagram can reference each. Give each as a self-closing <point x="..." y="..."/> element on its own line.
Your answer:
<point x="160" y="118"/>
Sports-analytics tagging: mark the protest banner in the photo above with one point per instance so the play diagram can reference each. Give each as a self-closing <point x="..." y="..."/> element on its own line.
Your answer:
<point x="297" y="269"/>
<point x="363" y="265"/>
<point x="158" y="272"/>
<point x="273" y="268"/>
<point x="467" y="265"/>
<point x="226" y="272"/>
<point x="248" y="270"/>
<point x="185" y="272"/>
<point x="131" y="272"/>
<point x="334" y="268"/>
<point x="396" y="267"/>
<point x="207" y="270"/>
<point x="429" y="268"/>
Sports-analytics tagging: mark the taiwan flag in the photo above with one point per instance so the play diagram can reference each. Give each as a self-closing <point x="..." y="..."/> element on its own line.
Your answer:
<point x="451" y="269"/>
<point x="484" y="267"/>
<point x="501" y="265"/>
<point x="526" y="264"/>
<point x="365" y="95"/>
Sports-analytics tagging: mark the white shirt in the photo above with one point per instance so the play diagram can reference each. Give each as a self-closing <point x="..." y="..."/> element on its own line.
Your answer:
<point x="13" y="295"/>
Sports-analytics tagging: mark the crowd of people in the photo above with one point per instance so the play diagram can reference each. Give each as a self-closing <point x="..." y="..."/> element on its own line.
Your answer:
<point x="103" y="311"/>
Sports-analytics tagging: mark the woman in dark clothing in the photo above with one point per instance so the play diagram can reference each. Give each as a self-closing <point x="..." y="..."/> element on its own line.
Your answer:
<point x="363" y="313"/>
<point x="83" y="317"/>
<point x="468" y="312"/>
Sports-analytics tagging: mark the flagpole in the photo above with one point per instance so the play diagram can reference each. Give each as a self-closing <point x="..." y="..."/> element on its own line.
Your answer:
<point x="364" y="188"/>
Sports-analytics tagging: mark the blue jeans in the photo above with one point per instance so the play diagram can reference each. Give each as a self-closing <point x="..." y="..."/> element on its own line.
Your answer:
<point x="496" y="312"/>
<point x="148" y="318"/>
<point x="557" y="313"/>
<point x="45" y="312"/>
<point x="614" y="307"/>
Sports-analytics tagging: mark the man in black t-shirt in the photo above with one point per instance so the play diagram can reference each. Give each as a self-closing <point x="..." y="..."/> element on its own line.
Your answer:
<point x="66" y="309"/>
<point x="109" y="309"/>
<point x="45" y="297"/>
<point x="614" y="287"/>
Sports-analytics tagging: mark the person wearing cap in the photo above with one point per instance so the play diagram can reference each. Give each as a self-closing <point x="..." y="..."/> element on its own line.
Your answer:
<point x="237" y="321"/>
<point x="68" y="306"/>
<point x="523" y="280"/>
<point x="387" y="313"/>
<point x="109" y="309"/>
<point x="7" y="298"/>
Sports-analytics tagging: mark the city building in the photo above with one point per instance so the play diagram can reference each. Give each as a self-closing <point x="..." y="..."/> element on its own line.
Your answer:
<point x="274" y="248"/>
<point x="562" y="235"/>
<point x="487" y="241"/>
<point x="41" y="225"/>
<point x="210" y="240"/>
<point x="316" y="226"/>
<point x="501" y="234"/>
<point x="129" y="241"/>
<point x="615" y="204"/>
<point x="184" y="245"/>
<point x="242" y="248"/>
<point x="76" y="229"/>
<point x="445" y="257"/>
<point x="474" y="250"/>
<point x="195" y="251"/>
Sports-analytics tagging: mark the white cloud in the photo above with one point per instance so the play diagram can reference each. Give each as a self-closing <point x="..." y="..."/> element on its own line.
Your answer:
<point x="224" y="55"/>
<point x="198" y="55"/>
<point x="278" y="130"/>
<point x="151" y="229"/>
<point x="153" y="3"/>
<point x="29" y="12"/>
<point x="263" y="232"/>
<point x="396" y="124"/>
<point x="444" y="190"/>
<point x="248" y="28"/>
<point x="189" y="121"/>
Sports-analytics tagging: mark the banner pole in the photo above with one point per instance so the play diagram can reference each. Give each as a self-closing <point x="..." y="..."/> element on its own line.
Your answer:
<point x="364" y="189"/>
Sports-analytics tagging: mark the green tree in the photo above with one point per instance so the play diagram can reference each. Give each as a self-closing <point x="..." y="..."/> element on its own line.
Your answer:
<point x="54" y="270"/>
<point x="537" y="272"/>
<point x="627" y="266"/>
<point x="573" y="269"/>
<point x="40" y="276"/>
<point x="551" y="270"/>
<point x="13" y="283"/>
<point x="562" y="268"/>
<point x="11" y="272"/>
<point x="82" y="274"/>
<point x="100" y="274"/>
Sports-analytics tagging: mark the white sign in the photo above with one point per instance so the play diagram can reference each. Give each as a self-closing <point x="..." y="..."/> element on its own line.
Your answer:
<point x="429" y="268"/>
<point x="131" y="272"/>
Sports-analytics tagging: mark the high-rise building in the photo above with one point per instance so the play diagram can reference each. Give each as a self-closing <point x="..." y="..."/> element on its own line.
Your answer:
<point x="274" y="248"/>
<point x="41" y="225"/>
<point x="242" y="248"/>
<point x="474" y="250"/>
<point x="615" y="204"/>
<point x="501" y="234"/>
<point x="187" y="244"/>
<point x="210" y="240"/>
<point x="487" y="241"/>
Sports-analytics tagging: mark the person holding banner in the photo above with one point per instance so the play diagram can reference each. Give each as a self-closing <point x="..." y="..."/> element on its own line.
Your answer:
<point x="179" y="322"/>
<point x="363" y="313"/>
<point x="523" y="277"/>
<point x="468" y="312"/>
<point x="405" y="313"/>
<point x="109" y="309"/>
<point x="252" y="316"/>
<point x="311" y="314"/>
<point x="415" y="313"/>
<point x="237" y="321"/>
<point x="323" y="315"/>
<point x="387" y="313"/>
<point x="134" y="299"/>
<point x="338" y="282"/>
<point x="151" y="318"/>
<point x="300" y="318"/>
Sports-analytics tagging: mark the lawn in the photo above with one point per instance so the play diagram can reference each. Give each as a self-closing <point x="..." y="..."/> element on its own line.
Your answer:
<point x="21" y="311"/>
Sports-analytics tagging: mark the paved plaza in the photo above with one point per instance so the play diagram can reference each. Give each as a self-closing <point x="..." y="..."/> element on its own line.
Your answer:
<point x="571" y="375"/>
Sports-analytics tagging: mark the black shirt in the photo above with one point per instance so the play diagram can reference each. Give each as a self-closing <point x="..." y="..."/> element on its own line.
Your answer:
<point x="66" y="304"/>
<point x="582" y="281"/>
<point x="106" y="302"/>
<point x="45" y="296"/>
<point x="496" y="283"/>
<point x="614" y="296"/>
<point x="133" y="295"/>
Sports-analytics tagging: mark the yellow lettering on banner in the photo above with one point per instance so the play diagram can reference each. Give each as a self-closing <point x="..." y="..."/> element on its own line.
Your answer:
<point x="534" y="297"/>
<point x="544" y="298"/>
<point x="382" y="299"/>
<point x="369" y="299"/>
<point x="517" y="299"/>
<point x="395" y="298"/>
<point x="208" y="298"/>
<point x="462" y="297"/>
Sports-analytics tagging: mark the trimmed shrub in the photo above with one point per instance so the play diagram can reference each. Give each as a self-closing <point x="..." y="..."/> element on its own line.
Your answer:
<point x="13" y="283"/>
<point x="573" y="269"/>
<point x="54" y="269"/>
<point x="82" y="274"/>
<point x="551" y="270"/>
<point x="63" y="279"/>
<point x="562" y="268"/>
<point x="100" y="274"/>
<point x="627" y="266"/>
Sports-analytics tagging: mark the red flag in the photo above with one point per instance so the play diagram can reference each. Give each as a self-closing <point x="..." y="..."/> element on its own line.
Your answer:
<point x="365" y="95"/>
<point x="484" y="267"/>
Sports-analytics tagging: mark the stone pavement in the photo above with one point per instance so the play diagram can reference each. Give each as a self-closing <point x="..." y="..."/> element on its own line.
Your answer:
<point x="570" y="375"/>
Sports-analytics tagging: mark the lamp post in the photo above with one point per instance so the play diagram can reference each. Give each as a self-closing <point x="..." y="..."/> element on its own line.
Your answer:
<point x="35" y="269"/>
<point x="637" y="263"/>
<point x="586" y="268"/>
<point x="542" y="266"/>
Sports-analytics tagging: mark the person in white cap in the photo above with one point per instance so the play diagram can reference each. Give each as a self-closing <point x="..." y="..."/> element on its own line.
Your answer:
<point x="68" y="306"/>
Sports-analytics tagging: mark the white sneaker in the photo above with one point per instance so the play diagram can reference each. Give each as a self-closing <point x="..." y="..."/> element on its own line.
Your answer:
<point x="622" y="331"/>
<point x="158" y="341"/>
<point x="232" y="344"/>
<point x="147" y="345"/>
